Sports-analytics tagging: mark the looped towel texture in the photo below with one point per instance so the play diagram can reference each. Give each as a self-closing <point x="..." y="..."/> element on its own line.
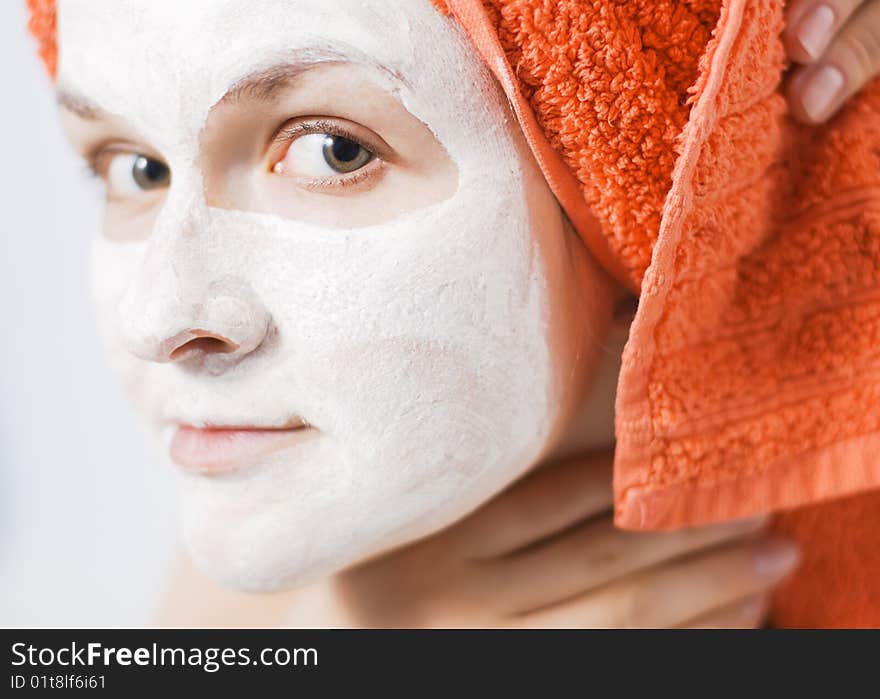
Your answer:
<point x="751" y="379"/>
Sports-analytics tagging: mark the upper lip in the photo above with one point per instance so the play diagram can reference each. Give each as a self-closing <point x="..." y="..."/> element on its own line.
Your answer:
<point x="242" y="426"/>
<point x="252" y="428"/>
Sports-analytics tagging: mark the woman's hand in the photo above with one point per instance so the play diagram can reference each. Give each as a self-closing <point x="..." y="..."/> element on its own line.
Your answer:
<point x="837" y="46"/>
<point x="545" y="554"/>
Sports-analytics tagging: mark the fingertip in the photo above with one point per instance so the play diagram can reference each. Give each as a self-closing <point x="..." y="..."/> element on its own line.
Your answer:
<point x="795" y="50"/>
<point x="749" y="524"/>
<point x="796" y="105"/>
<point x="775" y="557"/>
<point x="755" y="608"/>
<point x="814" y="93"/>
<point x="813" y="33"/>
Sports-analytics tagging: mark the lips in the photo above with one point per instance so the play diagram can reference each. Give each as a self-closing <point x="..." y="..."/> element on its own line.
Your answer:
<point x="217" y="450"/>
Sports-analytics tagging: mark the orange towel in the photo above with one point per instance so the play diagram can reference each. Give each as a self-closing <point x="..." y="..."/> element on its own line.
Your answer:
<point x="751" y="381"/>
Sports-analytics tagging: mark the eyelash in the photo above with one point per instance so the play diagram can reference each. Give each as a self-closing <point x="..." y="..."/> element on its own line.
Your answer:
<point x="92" y="159"/>
<point x="97" y="156"/>
<point x="287" y="134"/>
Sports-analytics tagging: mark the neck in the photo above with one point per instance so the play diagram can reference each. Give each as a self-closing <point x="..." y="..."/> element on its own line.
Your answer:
<point x="600" y="318"/>
<point x="592" y="427"/>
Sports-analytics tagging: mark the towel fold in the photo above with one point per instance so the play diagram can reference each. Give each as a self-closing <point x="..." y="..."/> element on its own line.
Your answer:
<point x="751" y="379"/>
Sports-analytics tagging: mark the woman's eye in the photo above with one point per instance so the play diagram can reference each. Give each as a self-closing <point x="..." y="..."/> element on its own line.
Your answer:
<point x="323" y="155"/>
<point x="129" y="174"/>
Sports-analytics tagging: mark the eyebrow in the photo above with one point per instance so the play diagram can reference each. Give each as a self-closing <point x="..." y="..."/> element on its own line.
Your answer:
<point x="79" y="105"/>
<point x="261" y="86"/>
<point x="264" y="86"/>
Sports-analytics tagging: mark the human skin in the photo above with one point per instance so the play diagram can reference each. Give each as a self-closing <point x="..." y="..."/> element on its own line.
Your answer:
<point x="835" y="48"/>
<point x="298" y="334"/>
<point x="543" y="554"/>
<point x="179" y="323"/>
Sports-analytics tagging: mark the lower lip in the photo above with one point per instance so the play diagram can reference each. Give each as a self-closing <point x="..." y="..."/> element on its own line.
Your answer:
<point x="214" y="451"/>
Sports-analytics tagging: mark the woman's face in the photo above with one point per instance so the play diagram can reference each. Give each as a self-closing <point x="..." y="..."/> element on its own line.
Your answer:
<point x="330" y="273"/>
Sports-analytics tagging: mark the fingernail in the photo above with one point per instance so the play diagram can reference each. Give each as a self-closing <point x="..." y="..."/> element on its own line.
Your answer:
<point x="821" y="91"/>
<point x="815" y="30"/>
<point x="774" y="557"/>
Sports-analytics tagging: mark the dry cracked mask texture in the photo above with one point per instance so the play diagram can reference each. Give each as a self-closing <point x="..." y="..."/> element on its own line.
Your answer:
<point x="424" y="349"/>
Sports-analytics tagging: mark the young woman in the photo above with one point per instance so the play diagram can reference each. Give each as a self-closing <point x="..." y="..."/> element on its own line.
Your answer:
<point x="336" y="279"/>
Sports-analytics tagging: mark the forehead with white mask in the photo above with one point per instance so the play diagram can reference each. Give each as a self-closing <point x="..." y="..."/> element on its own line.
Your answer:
<point x="330" y="273"/>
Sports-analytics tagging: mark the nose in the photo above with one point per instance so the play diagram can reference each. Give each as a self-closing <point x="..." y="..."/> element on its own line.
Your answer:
<point x="225" y="324"/>
<point x="196" y="342"/>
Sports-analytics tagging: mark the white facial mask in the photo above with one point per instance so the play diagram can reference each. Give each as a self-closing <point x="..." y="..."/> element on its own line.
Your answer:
<point x="418" y="348"/>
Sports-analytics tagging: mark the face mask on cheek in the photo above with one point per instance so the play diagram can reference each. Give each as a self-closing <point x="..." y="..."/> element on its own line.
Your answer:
<point x="417" y="349"/>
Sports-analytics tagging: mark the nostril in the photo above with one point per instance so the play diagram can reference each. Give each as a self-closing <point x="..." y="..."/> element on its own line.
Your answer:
<point x="204" y="342"/>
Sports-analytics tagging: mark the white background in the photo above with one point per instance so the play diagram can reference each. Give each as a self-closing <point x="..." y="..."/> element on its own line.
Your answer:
<point x="86" y="514"/>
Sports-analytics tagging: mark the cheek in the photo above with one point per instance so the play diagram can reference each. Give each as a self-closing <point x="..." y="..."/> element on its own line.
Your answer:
<point x="395" y="324"/>
<point x="417" y="435"/>
<point x="419" y="349"/>
<point x="421" y="410"/>
<point x="112" y="267"/>
<point x="128" y="223"/>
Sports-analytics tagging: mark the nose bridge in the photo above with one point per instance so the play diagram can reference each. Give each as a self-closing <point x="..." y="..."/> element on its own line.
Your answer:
<point x="184" y="213"/>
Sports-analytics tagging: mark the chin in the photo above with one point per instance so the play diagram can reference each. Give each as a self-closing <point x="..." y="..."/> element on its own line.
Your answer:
<point x="254" y="556"/>
<point x="261" y="543"/>
<point x="312" y="511"/>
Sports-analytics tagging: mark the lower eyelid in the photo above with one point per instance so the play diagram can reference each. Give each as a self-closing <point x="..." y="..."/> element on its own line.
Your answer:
<point x="367" y="175"/>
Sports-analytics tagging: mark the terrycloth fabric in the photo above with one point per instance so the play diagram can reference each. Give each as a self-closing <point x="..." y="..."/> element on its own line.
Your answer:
<point x="751" y="380"/>
<point x="42" y="25"/>
<point x="837" y="584"/>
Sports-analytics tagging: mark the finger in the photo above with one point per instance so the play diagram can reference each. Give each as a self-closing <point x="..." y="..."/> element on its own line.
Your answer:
<point x="593" y="555"/>
<point x="670" y="594"/>
<point x="810" y="25"/>
<point x="748" y="613"/>
<point x="544" y="503"/>
<point x="817" y="91"/>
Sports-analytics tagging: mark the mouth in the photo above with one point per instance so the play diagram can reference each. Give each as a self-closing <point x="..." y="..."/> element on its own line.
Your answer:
<point x="212" y="451"/>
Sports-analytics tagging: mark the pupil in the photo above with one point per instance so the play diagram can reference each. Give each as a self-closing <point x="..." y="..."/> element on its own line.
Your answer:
<point x="150" y="173"/>
<point x="344" y="150"/>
